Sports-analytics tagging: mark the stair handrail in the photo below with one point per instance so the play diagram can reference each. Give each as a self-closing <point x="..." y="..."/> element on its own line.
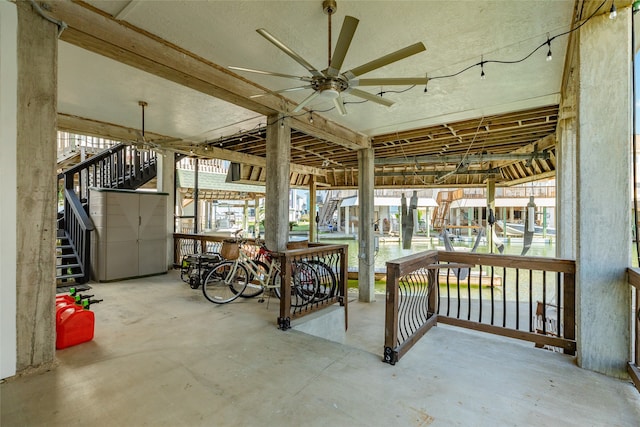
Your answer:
<point x="75" y="204"/>
<point x="78" y="227"/>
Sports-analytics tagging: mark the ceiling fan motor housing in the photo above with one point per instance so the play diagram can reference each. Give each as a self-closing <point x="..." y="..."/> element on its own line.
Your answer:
<point x="329" y="6"/>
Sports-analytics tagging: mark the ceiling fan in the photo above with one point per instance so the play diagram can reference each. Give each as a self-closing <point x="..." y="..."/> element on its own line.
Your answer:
<point x="330" y="83"/>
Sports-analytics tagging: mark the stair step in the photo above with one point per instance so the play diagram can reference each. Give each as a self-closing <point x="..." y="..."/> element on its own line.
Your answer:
<point x="65" y="256"/>
<point x="69" y="276"/>
<point x="64" y="246"/>
<point x="58" y="267"/>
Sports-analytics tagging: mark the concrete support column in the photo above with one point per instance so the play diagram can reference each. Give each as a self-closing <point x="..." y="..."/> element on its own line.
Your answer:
<point x="245" y="216"/>
<point x="36" y="188"/>
<point x="603" y="205"/>
<point x="313" y="236"/>
<point x="504" y="222"/>
<point x="276" y="233"/>
<point x="347" y="226"/>
<point x="366" y="261"/>
<point x="165" y="183"/>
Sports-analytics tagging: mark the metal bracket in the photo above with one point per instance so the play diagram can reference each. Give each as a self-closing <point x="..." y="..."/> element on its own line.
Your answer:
<point x="390" y="356"/>
<point x="284" y="323"/>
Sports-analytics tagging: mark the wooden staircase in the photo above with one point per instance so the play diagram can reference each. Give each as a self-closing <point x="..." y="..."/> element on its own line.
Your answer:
<point x="439" y="217"/>
<point x="122" y="167"/>
<point x="328" y="209"/>
<point x="68" y="263"/>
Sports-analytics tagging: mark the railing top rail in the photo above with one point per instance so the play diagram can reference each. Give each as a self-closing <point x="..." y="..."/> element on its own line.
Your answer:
<point x="90" y="161"/>
<point x="79" y="211"/>
<point x="634" y="277"/>
<point x="208" y="237"/>
<point x="413" y="262"/>
<point x="314" y="249"/>
<point x="510" y="261"/>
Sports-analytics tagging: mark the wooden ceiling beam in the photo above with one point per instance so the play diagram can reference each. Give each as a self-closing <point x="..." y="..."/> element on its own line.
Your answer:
<point x="98" y="32"/>
<point x="121" y="133"/>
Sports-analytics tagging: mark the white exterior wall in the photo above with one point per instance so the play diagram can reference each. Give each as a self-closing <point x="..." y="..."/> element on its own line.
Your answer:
<point x="8" y="186"/>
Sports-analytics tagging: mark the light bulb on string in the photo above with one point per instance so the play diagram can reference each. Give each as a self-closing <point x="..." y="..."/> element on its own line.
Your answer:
<point x="549" y="57"/>
<point x="311" y="116"/>
<point x="482" y="75"/>
<point x="613" y="12"/>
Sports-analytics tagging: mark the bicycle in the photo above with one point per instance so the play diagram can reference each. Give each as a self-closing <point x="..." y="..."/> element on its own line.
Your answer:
<point x="240" y="275"/>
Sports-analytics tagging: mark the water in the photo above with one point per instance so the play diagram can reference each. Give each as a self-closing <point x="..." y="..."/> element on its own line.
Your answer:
<point x="392" y="249"/>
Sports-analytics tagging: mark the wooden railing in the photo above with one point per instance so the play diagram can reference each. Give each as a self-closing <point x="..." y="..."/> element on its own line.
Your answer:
<point x="411" y="302"/>
<point x="327" y="262"/>
<point x="634" y="363"/>
<point x="188" y="244"/>
<point x="328" y="265"/>
<point x="122" y="166"/>
<point x="527" y="298"/>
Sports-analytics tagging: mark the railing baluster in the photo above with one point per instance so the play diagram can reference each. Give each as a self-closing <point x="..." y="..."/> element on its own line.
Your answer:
<point x="468" y="295"/>
<point x="492" y="297"/>
<point x="504" y="298"/>
<point x="559" y="302"/>
<point x="517" y="298"/>
<point x="479" y="293"/>
<point x="530" y="301"/>
<point x="544" y="303"/>
<point x="458" y="295"/>
<point x="448" y="292"/>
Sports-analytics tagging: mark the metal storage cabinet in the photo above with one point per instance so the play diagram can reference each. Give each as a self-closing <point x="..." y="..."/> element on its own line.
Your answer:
<point x="130" y="237"/>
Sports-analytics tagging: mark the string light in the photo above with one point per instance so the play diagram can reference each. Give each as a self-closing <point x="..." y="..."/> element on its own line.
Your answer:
<point x="516" y="61"/>
<point x="311" y="117"/>
<point x="549" y="57"/>
<point x="482" y="76"/>
<point x="613" y="12"/>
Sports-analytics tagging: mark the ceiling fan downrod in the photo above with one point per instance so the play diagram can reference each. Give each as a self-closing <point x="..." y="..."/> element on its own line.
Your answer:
<point x="329" y="7"/>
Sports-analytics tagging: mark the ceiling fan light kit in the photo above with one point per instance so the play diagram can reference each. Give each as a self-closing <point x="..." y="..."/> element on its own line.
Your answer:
<point x="330" y="84"/>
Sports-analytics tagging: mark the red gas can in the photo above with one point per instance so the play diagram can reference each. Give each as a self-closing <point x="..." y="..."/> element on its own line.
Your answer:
<point x="74" y="325"/>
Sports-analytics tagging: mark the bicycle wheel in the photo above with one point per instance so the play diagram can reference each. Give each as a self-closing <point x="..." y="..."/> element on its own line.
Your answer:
<point x="327" y="279"/>
<point x="304" y="284"/>
<point x="254" y="285"/>
<point x="225" y="282"/>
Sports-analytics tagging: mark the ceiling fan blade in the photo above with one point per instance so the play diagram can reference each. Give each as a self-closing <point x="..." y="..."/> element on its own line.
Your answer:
<point x="371" y="97"/>
<point x="291" y="89"/>
<point x="299" y="59"/>
<point x="342" y="46"/>
<point x="385" y="60"/>
<point x="400" y="81"/>
<point x="305" y="101"/>
<point x="340" y="105"/>
<point x="270" y="73"/>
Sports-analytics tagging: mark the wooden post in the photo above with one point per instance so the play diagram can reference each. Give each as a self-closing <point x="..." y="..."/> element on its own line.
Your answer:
<point x="391" y="314"/>
<point x="569" y="317"/>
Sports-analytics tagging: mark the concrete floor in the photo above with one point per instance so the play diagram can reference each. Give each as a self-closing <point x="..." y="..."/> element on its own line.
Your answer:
<point x="164" y="356"/>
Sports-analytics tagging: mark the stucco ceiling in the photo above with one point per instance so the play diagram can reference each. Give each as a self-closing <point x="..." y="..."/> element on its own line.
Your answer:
<point x="456" y="34"/>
